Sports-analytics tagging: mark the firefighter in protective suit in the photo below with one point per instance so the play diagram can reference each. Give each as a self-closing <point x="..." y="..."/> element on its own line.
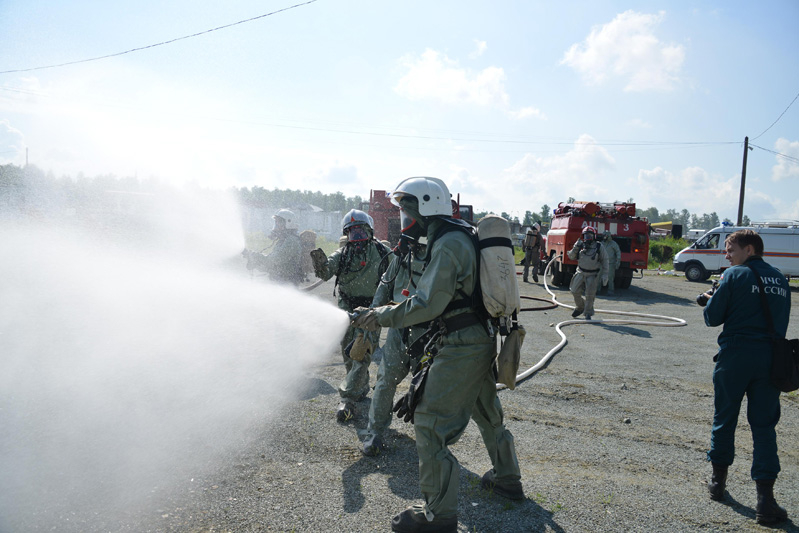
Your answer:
<point x="592" y="266"/>
<point x="614" y="259"/>
<point x="532" y="252"/>
<point x="284" y="262"/>
<point x="398" y="282"/>
<point x="460" y="382"/>
<point x="356" y="267"/>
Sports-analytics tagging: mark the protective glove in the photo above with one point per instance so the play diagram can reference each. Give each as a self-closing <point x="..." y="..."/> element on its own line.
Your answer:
<point x="319" y="260"/>
<point x="406" y="406"/>
<point x="579" y="243"/>
<point x="360" y="347"/>
<point x="604" y="280"/>
<point x="366" y="319"/>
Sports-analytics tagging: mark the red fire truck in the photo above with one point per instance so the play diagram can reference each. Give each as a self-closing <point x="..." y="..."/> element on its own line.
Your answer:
<point x="387" y="219"/>
<point x="631" y="233"/>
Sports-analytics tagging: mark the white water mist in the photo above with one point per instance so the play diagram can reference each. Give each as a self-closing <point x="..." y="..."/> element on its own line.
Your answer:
<point x="124" y="369"/>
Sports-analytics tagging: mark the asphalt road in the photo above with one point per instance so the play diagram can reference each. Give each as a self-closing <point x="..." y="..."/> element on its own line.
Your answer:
<point x="611" y="436"/>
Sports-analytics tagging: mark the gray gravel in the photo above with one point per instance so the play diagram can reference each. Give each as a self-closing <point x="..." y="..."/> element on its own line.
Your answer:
<point x="611" y="436"/>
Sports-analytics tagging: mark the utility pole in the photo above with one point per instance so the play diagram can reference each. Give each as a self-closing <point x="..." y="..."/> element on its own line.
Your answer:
<point x="743" y="184"/>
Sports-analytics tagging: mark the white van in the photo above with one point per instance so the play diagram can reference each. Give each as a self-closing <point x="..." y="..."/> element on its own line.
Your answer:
<point x="707" y="255"/>
<point x="694" y="234"/>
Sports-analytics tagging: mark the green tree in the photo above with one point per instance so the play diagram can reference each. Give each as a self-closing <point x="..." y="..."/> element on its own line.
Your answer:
<point x="528" y="218"/>
<point x="546" y="214"/>
<point x="651" y="214"/>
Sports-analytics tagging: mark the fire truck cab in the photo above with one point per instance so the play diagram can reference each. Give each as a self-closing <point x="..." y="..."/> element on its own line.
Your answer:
<point x="386" y="215"/>
<point x="631" y="233"/>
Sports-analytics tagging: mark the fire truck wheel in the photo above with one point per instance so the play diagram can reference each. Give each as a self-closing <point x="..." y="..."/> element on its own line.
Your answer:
<point x="624" y="282"/>
<point x="695" y="272"/>
<point x="557" y="274"/>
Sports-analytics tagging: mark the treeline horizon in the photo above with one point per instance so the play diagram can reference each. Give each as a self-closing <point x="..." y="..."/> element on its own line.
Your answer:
<point x="33" y="185"/>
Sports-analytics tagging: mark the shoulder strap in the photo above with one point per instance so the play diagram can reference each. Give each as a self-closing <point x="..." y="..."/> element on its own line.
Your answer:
<point x="763" y="301"/>
<point x="475" y="300"/>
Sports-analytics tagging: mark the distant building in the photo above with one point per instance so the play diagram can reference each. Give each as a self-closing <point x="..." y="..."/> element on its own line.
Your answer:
<point x="324" y="223"/>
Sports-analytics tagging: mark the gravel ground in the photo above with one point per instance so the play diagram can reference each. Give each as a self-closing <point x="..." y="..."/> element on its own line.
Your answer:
<point x="611" y="436"/>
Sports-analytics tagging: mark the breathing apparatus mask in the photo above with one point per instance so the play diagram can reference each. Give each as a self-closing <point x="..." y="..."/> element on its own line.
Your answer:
<point x="411" y="222"/>
<point x="588" y="236"/>
<point x="278" y="228"/>
<point x="358" y="236"/>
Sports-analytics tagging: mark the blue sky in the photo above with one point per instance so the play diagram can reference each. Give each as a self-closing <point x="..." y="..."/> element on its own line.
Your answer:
<point x="514" y="104"/>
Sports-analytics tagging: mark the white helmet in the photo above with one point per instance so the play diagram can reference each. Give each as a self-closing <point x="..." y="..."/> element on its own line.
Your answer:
<point x="288" y="216"/>
<point x="356" y="217"/>
<point x="432" y="193"/>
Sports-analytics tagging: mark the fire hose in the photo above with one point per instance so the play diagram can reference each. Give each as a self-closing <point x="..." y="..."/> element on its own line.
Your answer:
<point x="657" y="320"/>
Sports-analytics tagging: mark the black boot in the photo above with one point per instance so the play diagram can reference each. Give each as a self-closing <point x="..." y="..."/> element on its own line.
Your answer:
<point x="345" y="411"/>
<point x="768" y="512"/>
<point x="508" y="489"/>
<point x="718" y="482"/>
<point x="373" y="445"/>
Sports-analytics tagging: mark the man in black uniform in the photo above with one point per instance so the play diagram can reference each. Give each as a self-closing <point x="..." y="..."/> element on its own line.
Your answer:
<point x="743" y="366"/>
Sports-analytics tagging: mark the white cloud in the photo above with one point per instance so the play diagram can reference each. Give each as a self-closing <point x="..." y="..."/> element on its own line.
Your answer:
<point x="627" y="48"/>
<point x="699" y="191"/>
<point x="527" y="112"/>
<point x="535" y="180"/>
<point x="692" y="188"/>
<point x="480" y="48"/>
<point x="785" y="168"/>
<point x="434" y="76"/>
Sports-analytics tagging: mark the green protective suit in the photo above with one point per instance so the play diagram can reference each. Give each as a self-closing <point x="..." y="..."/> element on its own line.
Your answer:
<point x="460" y="383"/>
<point x="395" y="364"/>
<point x="592" y="267"/>
<point x="614" y="261"/>
<point x="358" y="276"/>
<point x="284" y="262"/>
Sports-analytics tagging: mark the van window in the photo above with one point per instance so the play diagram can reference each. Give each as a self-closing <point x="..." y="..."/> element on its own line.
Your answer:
<point x="708" y="242"/>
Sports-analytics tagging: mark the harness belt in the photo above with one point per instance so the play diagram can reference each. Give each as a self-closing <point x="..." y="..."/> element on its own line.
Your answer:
<point x="457" y="322"/>
<point x="589" y="270"/>
<point x="425" y="343"/>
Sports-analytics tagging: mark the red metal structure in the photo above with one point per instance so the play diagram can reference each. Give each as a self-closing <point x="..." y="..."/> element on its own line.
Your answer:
<point x="631" y="233"/>
<point x="387" y="219"/>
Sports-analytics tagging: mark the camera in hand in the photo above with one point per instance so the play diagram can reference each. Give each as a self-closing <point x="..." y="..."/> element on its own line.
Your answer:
<point x="703" y="298"/>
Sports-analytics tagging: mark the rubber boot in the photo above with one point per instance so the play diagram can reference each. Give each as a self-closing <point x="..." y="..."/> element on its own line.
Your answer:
<point x="718" y="482"/>
<point x="577" y="312"/>
<point x="413" y="520"/>
<point x="345" y="411"/>
<point x="509" y="489"/>
<point x="768" y="512"/>
<point x="372" y="446"/>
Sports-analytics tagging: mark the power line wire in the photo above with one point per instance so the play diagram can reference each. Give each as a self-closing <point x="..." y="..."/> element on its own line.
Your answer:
<point x="779" y="117"/>
<point x="456" y="136"/>
<point x="788" y="157"/>
<point x="157" y="44"/>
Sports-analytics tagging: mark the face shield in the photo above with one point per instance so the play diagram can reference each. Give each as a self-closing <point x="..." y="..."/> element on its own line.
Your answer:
<point x="588" y="236"/>
<point x="410" y="226"/>
<point x="357" y="234"/>
<point x="279" y="223"/>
